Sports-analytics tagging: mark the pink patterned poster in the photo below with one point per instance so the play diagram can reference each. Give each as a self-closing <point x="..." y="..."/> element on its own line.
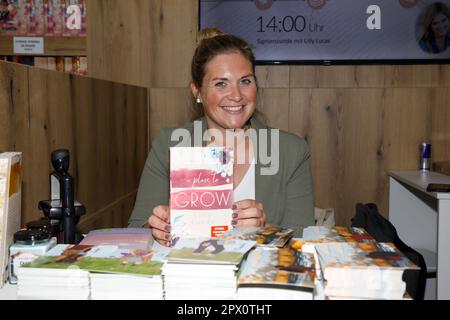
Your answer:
<point x="201" y="191"/>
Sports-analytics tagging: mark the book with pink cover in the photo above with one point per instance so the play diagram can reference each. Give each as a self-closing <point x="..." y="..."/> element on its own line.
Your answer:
<point x="131" y="238"/>
<point x="201" y="191"/>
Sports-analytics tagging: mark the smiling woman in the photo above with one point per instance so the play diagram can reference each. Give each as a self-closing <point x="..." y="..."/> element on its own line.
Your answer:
<point x="224" y="87"/>
<point x="435" y="32"/>
<point x="228" y="92"/>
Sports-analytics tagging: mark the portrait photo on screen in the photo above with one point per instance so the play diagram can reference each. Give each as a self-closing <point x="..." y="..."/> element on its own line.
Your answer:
<point x="433" y="28"/>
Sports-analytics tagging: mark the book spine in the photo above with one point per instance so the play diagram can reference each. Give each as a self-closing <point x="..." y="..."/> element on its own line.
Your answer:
<point x="22" y="16"/>
<point x="48" y="18"/>
<point x="51" y="63"/>
<point x="40" y="62"/>
<point x="58" y="9"/>
<point x="68" y="65"/>
<point x="83" y="66"/>
<point x="39" y="17"/>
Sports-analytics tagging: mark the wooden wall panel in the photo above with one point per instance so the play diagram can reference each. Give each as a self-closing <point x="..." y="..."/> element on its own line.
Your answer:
<point x="270" y="77"/>
<point x="274" y="105"/>
<point x="103" y="124"/>
<point x="14" y="105"/>
<point x="440" y="124"/>
<point x="119" y="43"/>
<point x="169" y="107"/>
<point x="174" y="29"/>
<point x="142" y="42"/>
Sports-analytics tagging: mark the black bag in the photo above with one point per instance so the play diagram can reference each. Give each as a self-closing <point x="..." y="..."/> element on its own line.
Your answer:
<point x="382" y="230"/>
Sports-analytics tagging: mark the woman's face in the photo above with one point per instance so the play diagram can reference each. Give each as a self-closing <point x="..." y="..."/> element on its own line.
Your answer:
<point x="228" y="91"/>
<point x="440" y="25"/>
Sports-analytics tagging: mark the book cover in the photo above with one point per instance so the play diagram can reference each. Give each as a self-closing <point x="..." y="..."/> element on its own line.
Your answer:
<point x="271" y="236"/>
<point x="10" y="204"/>
<point x="283" y="268"/>
<point x="58" y="9"/>
<point x="103" y="259"/>
<point x="319" y="234"/>
<point x="376" y="255"/>
<point x="39" y="17"/>
<point x="366" y="270"/>
<point x="132" y="238"/>
<point x="201" y="191"/>
<point x="22" y="18"/>
<point x="210" y="250"/>
<point x="9" y="22"/>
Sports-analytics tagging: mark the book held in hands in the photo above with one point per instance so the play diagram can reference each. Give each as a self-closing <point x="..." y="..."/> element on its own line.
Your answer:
<point x="201" y="191"/>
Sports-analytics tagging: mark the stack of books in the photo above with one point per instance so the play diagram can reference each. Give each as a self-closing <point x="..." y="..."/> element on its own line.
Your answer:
<point x="204" y="268"/>
<point x="46" y="279"/>
<point x="363" y="270"/>
<point x="108" y="264"/>
<point x="139" y="275"/>
<point x="126" y="287"/>
<point x="277" y="274"/>
<point x="353" y="265"/>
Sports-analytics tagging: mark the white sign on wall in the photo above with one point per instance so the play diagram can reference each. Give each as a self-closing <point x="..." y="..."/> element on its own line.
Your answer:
<point x="28" y="45"/>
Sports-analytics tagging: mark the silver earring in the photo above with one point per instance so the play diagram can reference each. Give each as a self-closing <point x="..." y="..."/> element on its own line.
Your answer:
<point x="199" y="100"/>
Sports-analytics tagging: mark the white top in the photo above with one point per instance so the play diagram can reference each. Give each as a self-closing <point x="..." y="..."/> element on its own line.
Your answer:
<point x="246" y="188"/>
<point x="420" y="180"/>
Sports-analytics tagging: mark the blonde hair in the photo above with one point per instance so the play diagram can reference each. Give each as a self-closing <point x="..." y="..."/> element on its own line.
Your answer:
<point x="208" y="33"/>
<point x="432" y="11"/>
<point x="212" y="42"/>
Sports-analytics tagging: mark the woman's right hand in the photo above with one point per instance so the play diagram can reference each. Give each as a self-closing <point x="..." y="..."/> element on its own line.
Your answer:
<point x="159" y="223"/>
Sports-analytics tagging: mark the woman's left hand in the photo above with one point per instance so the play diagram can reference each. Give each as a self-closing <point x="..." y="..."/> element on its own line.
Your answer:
<point x="248" y="213"/>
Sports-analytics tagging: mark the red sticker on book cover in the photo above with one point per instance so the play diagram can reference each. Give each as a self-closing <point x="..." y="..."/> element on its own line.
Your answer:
<point x="216" y="230"/>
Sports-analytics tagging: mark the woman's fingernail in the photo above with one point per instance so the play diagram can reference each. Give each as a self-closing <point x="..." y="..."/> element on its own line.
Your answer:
<point x="234" y="222"/>
<point x="235" y="215"/>
<point x="234" y="207"/>
<point x="167" y="228"/>
<point x="167" y="236"/>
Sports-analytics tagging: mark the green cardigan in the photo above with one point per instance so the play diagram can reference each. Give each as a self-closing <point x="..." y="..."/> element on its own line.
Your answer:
<point x="287" y="196"/>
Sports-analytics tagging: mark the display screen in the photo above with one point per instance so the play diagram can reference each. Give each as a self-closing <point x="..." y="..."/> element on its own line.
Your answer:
<point x="335" y="31"/>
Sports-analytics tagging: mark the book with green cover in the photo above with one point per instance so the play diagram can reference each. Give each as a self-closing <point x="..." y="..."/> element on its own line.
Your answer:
<point x="210" y="251"/>
<point x="104" y="259"/>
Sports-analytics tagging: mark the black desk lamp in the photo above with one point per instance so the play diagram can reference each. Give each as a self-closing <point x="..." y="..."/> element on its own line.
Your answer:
<point x="62" y="205"/>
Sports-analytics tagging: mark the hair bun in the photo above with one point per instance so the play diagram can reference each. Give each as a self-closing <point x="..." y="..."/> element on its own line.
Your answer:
<point x="208" y="33"/>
